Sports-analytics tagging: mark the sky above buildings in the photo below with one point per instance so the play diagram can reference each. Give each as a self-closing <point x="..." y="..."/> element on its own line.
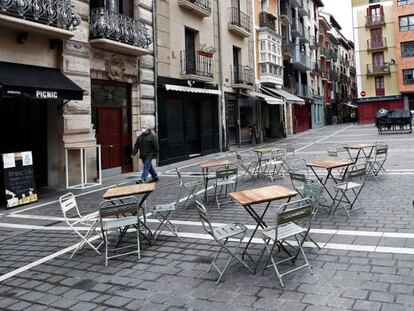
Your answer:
<point x="342" y="11"/>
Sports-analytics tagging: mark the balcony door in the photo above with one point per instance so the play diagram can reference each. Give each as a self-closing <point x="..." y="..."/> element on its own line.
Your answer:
<point x="190" y="61"/>
<point x="376" y="38"/>
<point x="124" y="7"/>
<point x="236" y="65"/>
<point x="374" y="13"/>
<point x="235" y="12"/>
<point x="378" y="62"/>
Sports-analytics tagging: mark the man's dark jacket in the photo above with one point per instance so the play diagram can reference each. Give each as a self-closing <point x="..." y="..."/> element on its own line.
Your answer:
<point x="147" y="144"/>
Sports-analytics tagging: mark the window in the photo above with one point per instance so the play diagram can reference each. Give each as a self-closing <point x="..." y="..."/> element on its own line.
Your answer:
<point x="407" y="49"/>
<point x="406" y="23"/>
<point x="379" y="86"/>
<point x="408" y="75"/>
<point x="124" y="7"/>
<point x="374" y="1"/>
<point x="405" y="2"/>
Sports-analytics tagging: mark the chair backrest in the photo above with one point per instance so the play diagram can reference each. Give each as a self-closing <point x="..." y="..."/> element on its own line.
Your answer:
<point x="381" y="151"/>
<point x="204" y="217"/>
<point x="357" y="172"/>
<point x="312" y="191"/>
<point x="226" y="172"/>
<point x="122" y="207"/>
<point x="333" y="153"/>
<point x="278" y="154"/>
<point x="297" y="175"/>
<point x="290" y="150"/>
<point x="67" y="203"/>
<point x="299" y="165"/>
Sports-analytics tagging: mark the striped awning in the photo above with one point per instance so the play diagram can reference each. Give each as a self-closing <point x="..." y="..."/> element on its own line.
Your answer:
<point x="187" y="89"/>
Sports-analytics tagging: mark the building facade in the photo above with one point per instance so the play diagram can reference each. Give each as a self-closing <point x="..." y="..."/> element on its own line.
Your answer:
<point x="376" y="54"/>
<point x="85" y="73"/>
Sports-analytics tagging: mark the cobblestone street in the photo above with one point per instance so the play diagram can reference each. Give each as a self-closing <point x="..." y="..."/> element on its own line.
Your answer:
<point x="366" y="261"/>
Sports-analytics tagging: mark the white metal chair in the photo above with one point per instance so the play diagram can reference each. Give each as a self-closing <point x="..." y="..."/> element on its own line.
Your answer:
<point x="74" y="219"/>
<point x="119" y="215"/>
<point x="247" y="164"/>
<point x="226" y="179"/>
<point x="221" y="235"/>
<point x="193" y="186"/>
<point x="286" y="227"/>
<point x="377" y="160"/>
<point x="347" y="192"/>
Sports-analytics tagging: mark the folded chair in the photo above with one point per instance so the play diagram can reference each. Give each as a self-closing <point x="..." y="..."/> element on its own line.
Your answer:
<point x="286" y="227"/>
<point x="226" y="179"/>
<point x="222" y="235"/>
<point x="248" y="165"/>
<point x="74" y="219"/>
<point x="118" y="215"/>
<point x="193" y="186"/>
<point x="347" y="192"/>
<point x="377" y="160"/>
<point x="164" y="214"/>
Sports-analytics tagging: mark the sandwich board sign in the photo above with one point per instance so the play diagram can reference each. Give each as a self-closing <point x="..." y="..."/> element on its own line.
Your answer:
<point x="18" y="177"/>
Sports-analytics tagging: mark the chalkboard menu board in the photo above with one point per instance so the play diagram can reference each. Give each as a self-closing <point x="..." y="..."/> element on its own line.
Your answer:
<point x="19" y="181"/>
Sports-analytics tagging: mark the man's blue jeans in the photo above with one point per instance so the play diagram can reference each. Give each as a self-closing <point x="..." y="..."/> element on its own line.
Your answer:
<point x="148" y="168"/>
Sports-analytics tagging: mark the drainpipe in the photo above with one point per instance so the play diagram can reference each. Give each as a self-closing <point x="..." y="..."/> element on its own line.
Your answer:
<point x="222" y="102"/>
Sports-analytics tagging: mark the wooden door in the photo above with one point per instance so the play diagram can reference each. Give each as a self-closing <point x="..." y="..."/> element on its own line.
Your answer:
<point x="109" y="136"/>
<point x="376" y="38"/>
<point x="190" y="61"/>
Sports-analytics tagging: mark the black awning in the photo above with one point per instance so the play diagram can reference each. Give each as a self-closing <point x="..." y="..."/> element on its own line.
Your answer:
<point x="18" y="80"/>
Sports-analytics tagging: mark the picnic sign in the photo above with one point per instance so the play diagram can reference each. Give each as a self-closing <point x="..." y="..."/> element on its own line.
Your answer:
<point x="18" y="177"/>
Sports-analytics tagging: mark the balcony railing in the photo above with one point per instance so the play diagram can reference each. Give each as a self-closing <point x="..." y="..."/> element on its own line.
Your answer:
<point x="242" y="76"/>
<point x="333" y="55"/>
<point x="378" y="69"/>
<point x="287" y="48"/>
<point x="107" y="24"/>
<point x="200" y="7"/>
<point x="324" y="52"/>
<point x="343" y="78"/>
<point x="374" y="20"/>
<point x="198" y="66"/>
<point x="306" y="35"/>
<point x="325" y="75"/>
<point x="316" y="67"/>
<point x="55" y="13"/>
<point x="297" y="28"/>
<point x="313" y="42"/>
<point x="271" y="69"/>
<point x="285" y="12"/>
<point x="376" y="44"/>
<point x="239" y="21"/>
<point x="409" y="81"/>
<point x="268" y="20"/>
<point x="301" y="60"/>
<point x="303" y="90"/>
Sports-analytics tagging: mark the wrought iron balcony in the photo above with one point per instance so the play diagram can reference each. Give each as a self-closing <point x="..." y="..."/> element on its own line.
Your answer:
<point x="199" y="7"/>
<point x="239" y="22"/>
<point x="324" y="52"/>
<point x="301" y="60"/>
<point x="117" y="32"/>
<point x="53" y="18"/>
<point x="268" y="20"/>
<point x="303" y="90"/>
<point x="242" y="77"/>
<point x="333" y="55"/>
<point x="297" y="28"/>
<point x="378" y="69"/>
<point x="285" y="13"/>
<point x="374" y="20"/>
<point x="377" y="44"/>
<point x="270" y="72"/>
<point x="287" y="48"/>
<point x="316" y="68"/>
<point x="198" y="66"/>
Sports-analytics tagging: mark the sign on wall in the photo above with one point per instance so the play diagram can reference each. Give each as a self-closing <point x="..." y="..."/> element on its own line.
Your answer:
<point x="19" y="180"/>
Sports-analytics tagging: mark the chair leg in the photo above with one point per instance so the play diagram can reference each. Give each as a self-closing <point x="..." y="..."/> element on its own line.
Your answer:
<point x="274" y="263"/>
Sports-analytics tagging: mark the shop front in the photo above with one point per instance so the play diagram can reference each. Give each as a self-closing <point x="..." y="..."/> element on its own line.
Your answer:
<point x="368" y="107"/>
<point x="31" y="104"/>
<point x="188" y="123"/>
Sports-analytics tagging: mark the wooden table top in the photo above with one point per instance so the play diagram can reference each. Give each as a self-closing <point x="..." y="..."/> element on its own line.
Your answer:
<point x="359" y="146"/>
<point x="215" y="163"/>
<point x="261" y="195"/>
<point x="329" y="164"/>
<point x="124" y="191"/>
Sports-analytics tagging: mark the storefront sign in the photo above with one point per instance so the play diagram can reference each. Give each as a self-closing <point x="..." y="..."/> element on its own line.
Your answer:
<point x="19" y="181"/>
<point x="38" y="93"/>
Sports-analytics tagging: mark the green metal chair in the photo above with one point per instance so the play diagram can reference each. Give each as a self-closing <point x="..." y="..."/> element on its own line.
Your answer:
<point x="192" y="186"/>
<point x="222" y="235"/>
<point x="247" y="164"/>
<point x="226" y="179"/>
<point x="377" y="160"/>
<point x="286" y="227"/>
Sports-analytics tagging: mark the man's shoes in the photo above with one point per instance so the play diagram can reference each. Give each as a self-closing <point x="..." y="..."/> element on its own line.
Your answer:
<point x="154" y="180"/>
<point x="139" y="181"/>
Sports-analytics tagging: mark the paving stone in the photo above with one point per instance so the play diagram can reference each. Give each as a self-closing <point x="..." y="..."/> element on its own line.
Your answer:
<point x="363" y="305"/>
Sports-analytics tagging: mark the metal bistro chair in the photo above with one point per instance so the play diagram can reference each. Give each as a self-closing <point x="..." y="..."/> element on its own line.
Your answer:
<point x="74" y="218"/>
<point x="289" y="158"/>
<point x="277" y="160"/>
<point x="226" y="178"/>
<point x="222" y="235"/>
<point x="285" y="227"/>
<point x="248" y="165"/>
<point x="113" y="214"/>
<point x="352" y="186"/>
<point x="164" y="213"/>
<point x="377" y="161"/>
<point x="193" y="185"/>
<point x="313" y="191"/>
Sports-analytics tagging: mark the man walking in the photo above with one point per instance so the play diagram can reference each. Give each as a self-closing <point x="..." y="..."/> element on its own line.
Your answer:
<point x="147" y="144"/>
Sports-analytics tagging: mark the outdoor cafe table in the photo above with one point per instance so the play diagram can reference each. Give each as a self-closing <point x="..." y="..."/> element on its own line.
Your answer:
<point x="330" y="165"/>
<point x="249" y="198"/>
<point x="133" y="190"/>
<point x="208" y="165"/>
<point x="364" y="150"/>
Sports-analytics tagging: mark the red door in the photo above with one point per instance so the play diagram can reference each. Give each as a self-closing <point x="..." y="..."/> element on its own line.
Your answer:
<point x="376" y="38"/>
<point x="109" y="136"/>
<point x="302" y="118"/>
